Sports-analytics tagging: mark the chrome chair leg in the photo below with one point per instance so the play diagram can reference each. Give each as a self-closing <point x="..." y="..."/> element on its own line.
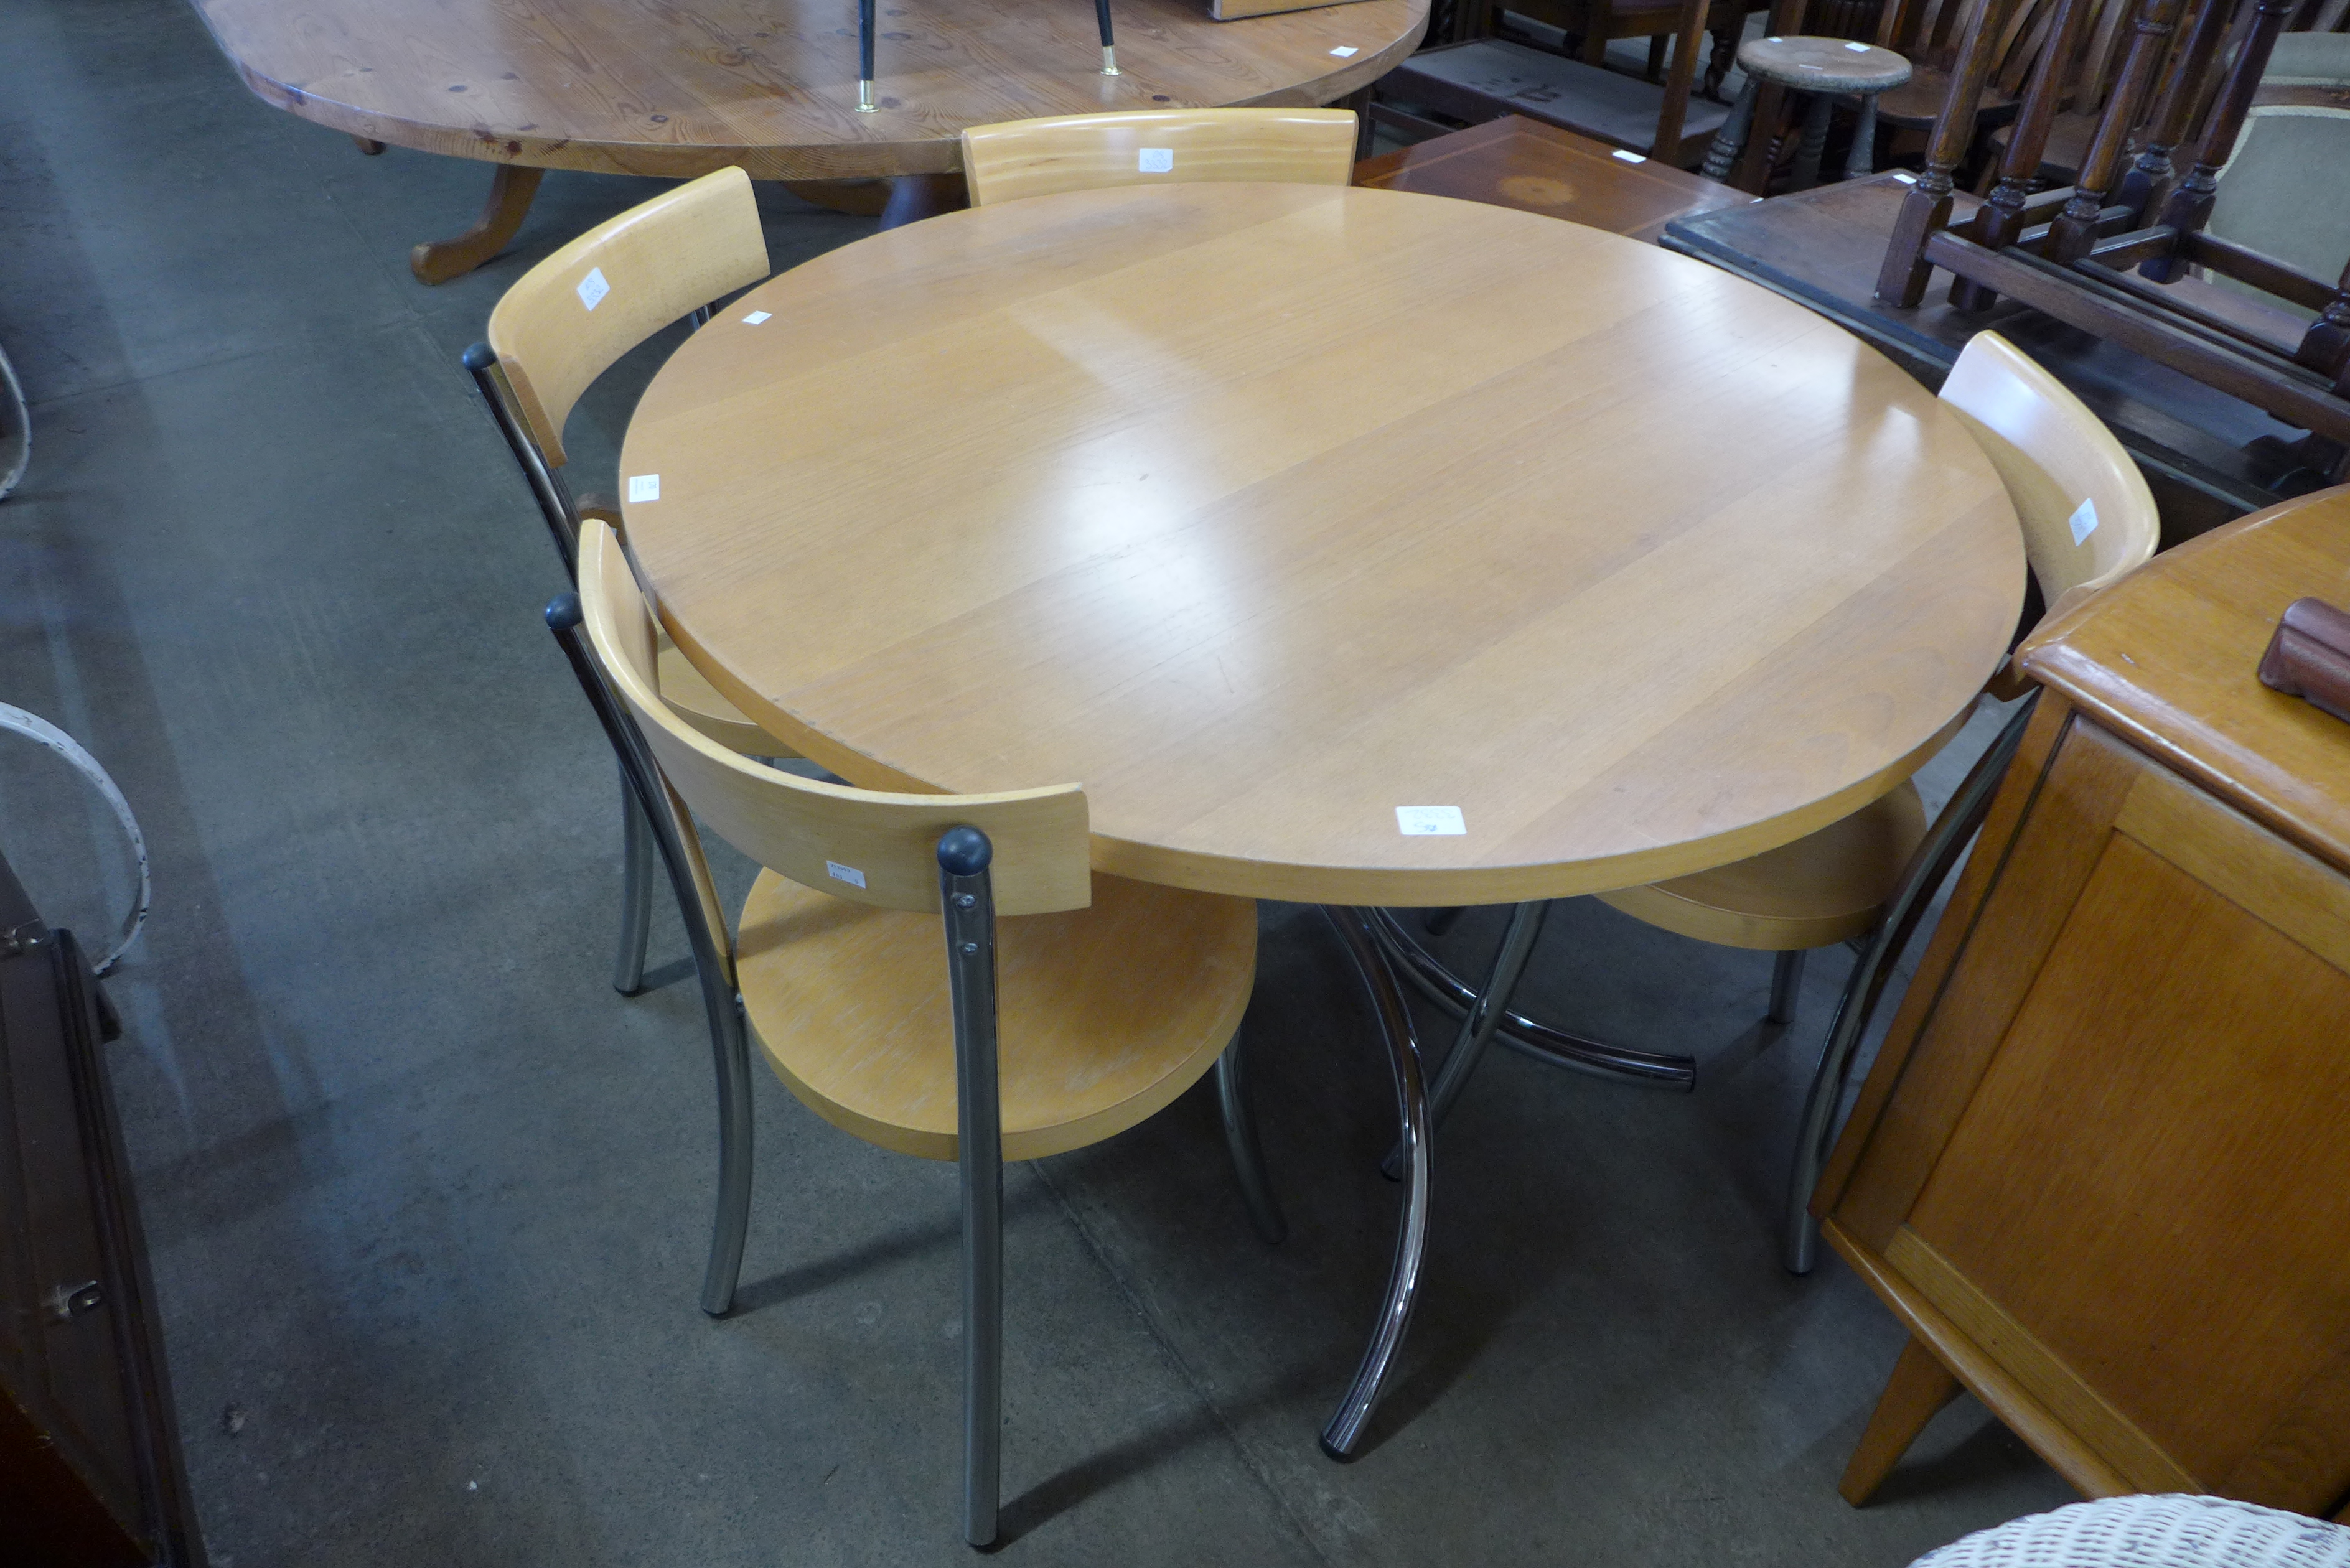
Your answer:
<point x="1478" y="1025"/>
<point x="731" y="1050"/>
<point x="1786" y="981"/>
<point x="1345" y="1429"/>
<point x="1930" y="865"/>
<point x="966" y="896"/>
<point x="642" y="776"/>
<point x="636" y="892"/>
<point x="1240" y="1136"/>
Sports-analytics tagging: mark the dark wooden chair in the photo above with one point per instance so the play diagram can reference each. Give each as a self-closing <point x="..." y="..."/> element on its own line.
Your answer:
<point x="2097" y="255"/>
<point x="1485" y="79"/>
<point x="1592" y="24"/>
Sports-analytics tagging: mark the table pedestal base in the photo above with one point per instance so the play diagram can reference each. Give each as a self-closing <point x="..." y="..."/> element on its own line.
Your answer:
<point x="1356" y="928"/>
<point x="1618" y="1063"/>
<point x="511" y="190"/>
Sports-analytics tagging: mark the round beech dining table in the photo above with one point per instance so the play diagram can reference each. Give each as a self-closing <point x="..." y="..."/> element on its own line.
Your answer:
<point x="1349" y="547"/>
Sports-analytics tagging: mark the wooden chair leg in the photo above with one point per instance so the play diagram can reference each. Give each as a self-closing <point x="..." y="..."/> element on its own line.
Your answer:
<point x="511" y="189"/>
<point x="1921" y="1386"/>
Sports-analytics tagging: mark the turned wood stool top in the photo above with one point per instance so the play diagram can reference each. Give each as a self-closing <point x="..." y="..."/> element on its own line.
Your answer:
<point x="1823" y="64"/>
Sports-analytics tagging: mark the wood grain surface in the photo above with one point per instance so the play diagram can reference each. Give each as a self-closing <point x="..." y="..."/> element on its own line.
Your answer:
<point x="1255" y="511"/>
<point x="639" y="86"/>
<point x="1515" y="161"/>
<point x="2172" y="663"/>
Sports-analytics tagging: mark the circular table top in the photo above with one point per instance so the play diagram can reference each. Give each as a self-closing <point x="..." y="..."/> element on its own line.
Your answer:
<point x="1265" y="510"/>
<point x="642" y="86"/>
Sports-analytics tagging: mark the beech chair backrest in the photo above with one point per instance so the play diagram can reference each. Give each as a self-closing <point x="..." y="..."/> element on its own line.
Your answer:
<point x="566" y="320"/>
<point x="864" y="845"/>
<point x="2087" y="515"/>
<point x="1020" y="158"/>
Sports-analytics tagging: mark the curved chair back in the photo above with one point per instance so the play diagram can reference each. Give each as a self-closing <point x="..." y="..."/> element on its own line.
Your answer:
<point x="864" y="845"/>
<point x="1169" y="146"/>
<point x="2087" y="515"/>
<point x="566" y="320"/>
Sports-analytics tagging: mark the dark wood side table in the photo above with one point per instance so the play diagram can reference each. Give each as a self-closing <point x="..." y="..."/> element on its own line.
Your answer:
<point x="90" y="1473"/>
<point x="2099" y="1167"/>
<point x="1518" y="162"/>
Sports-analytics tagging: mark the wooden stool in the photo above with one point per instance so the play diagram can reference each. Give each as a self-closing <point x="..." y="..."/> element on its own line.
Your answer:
<point x="1820" y="66"/>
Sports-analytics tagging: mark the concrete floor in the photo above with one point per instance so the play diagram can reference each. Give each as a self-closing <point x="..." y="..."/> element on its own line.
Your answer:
<point x="427" y="1201"/>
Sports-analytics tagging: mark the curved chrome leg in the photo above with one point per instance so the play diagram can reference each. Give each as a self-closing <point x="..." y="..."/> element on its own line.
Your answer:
<point x="1928" y="867"/>
<point x="1618" y="1063"/>
<point x="1345" y="1427"/>
<point x="641" y="775"/>
<point x="967" y="898"/>
<point x="733" y="1055"/>
<point x="1478" y="1023"/>
<point x="1240" y="1136"/>
<point x="635" y="893"/>
<point x="1786" y="981"/>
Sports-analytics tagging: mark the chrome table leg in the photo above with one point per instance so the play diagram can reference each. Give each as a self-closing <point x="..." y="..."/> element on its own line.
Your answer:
<point x="1345" y="1427"/>
<point x="1479" y="1020"/>
<point x="1619" y="1063"/>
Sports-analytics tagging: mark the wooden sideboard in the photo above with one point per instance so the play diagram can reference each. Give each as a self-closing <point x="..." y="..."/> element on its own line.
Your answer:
<point x="2101" y="1168"/>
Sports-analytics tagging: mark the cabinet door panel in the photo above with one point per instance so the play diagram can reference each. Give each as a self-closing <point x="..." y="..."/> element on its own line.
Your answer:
<point x="2149" y="1175"/>
<point x="1960" y="1024"/>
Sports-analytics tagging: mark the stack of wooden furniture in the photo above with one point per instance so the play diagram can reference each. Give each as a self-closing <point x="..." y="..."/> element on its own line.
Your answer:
<point x="1484" y="79"/>
<point x="2097" y="255"/>
<point x="2098" y="1167"/>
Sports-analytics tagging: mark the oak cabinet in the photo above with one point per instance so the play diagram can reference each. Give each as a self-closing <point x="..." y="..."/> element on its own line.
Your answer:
<point x="2101" y="1167"/>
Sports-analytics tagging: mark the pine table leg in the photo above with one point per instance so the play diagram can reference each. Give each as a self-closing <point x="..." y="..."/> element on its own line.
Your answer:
<point x="511" y="189"/>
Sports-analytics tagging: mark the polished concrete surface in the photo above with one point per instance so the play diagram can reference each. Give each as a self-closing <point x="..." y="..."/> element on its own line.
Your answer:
<point x="427" y="1201"/>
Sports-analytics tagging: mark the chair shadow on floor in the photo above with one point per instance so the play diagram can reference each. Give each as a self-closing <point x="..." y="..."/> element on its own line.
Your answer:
<point x="668" y="973"/>
<point x="940" y="1236"/>
<point x="1097" y="1472"/>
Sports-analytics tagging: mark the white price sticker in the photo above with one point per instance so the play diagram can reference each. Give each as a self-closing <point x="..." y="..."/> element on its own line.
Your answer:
<point x="1154" y="161"/>
<point x="1344" y="50"/>
<point x="756" y="316"/>
<point x="1413" y="821"/>
<point x="593" y="288"/>
<point x="644" y="487"/>
<point x="1857" y="48"/>
<point x="1628" y="157"/>
<point x="2084" y="521"/>
<point x="849" y="874"/>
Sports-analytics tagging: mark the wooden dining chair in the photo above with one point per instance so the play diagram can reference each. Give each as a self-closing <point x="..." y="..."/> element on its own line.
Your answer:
<point x="1069" y="1007"/>
<point x="2087" y="518"/>
<point x="1020" y="158"/>
<point x="1484" y="79"/>
<point x="559" y="326"/>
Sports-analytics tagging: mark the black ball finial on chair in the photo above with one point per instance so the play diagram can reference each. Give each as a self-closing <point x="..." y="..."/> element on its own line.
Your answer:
<point x="964" y="852"/>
